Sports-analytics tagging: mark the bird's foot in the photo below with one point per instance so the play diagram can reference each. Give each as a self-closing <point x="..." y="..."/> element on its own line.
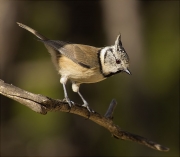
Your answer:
<point x="70" y="103"/>
<point x="88" y="108"/>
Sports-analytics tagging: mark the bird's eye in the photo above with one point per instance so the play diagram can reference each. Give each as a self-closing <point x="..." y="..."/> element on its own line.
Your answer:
<point x="118" y="61"/>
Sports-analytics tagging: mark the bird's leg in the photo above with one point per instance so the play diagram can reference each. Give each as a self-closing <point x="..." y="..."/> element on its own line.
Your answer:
<point x="75" y="87"/>
<point x="66" y="96"/>
<point x="85" y="104"/>
<point x="63" y="81"/>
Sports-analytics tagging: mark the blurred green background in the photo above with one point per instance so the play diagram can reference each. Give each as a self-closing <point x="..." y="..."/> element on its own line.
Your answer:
<point x="148" y="100"/>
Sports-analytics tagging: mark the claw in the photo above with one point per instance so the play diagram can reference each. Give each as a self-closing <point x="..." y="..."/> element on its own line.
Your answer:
<point x="69" y="102"/>
<point x="87" y="107"/>
<point x="72" y="102"/>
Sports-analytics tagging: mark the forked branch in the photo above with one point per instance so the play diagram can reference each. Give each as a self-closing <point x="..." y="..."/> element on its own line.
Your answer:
<point x="42" y="104"/>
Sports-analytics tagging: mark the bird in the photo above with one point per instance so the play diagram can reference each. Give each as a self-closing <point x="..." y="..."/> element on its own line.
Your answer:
<point x="83" y="63"/>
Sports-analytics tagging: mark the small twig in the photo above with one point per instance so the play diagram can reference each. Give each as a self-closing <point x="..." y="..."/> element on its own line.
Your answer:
<point x="42" y="104"/>
<point x="110" y="110"/>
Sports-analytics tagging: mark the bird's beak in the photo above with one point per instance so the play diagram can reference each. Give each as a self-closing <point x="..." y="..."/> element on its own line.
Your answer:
<point x="127" y="71"/>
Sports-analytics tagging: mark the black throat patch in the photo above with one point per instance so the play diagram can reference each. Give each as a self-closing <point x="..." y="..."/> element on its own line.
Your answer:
<point x="112" y="73"/>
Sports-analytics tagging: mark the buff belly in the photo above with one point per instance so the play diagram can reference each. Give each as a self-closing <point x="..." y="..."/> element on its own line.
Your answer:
<point x="77" y="73"/>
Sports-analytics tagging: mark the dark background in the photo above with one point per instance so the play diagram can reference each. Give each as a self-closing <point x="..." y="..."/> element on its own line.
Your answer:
<point x="148" y="101"/>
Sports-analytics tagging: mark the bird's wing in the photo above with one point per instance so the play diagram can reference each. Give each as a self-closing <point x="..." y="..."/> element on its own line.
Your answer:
<point x="84" y="55"/>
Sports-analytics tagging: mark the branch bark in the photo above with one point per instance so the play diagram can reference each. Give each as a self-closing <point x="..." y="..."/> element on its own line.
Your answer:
<point x="42" y="104"/>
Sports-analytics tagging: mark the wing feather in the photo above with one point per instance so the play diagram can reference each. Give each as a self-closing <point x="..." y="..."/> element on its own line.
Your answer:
<point x="84" y="55"/>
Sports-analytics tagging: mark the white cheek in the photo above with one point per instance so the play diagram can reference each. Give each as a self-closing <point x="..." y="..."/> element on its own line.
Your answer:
<point x="110" y="60"/>
<point x="108" y="63"/>
<point x="110" y="68"/>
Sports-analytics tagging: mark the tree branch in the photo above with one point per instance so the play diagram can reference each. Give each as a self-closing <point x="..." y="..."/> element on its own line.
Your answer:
<point x="42" y="104"/>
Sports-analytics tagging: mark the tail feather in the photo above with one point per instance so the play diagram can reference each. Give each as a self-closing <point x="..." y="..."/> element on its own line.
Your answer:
<point x="37" y="34"/>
